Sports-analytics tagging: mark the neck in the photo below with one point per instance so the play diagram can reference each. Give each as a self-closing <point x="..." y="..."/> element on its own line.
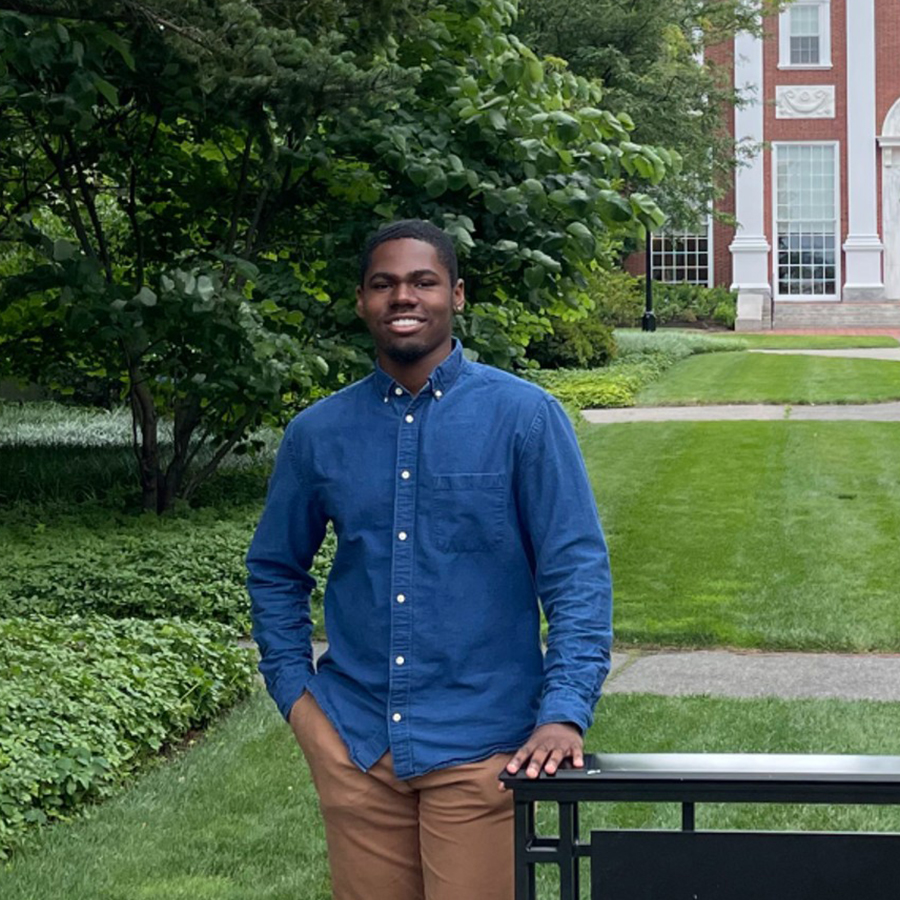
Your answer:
<point x="414" y="375"/>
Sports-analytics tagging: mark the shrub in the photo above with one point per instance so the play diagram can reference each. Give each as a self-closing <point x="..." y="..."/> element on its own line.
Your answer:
<point x="86" y="699"/>
<point x="583" y="343"/>
<point x="642" y="359"/>
<point x="89" y="560"/>
<point x="692" y="303"/>
<point x="618" y="297"/>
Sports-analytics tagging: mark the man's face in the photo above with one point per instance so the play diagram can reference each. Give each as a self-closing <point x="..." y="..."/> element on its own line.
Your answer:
<point x="407" y="300"/>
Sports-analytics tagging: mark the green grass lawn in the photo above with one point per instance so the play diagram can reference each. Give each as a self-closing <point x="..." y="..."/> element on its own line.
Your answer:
<point x="752" y="534"/>
<point x="236" y="817"/>
<point x="762" y="378"/>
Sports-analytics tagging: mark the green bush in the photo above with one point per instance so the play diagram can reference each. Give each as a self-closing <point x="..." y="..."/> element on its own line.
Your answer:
<point x="643" y="357"/>
<point x="583" y="343"/>
<point x="84" y="700"/>
<point x="620" y="298"/>
<point x="92" y="561"/>
<point x="692" y="303"/>
<point x="677" y="344"/>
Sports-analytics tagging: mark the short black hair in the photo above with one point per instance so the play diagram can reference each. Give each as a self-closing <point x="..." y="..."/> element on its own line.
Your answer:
<point x="417" y="230"/>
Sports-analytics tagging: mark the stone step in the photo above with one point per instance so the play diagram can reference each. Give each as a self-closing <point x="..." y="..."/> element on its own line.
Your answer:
<point x="826" y="315"/>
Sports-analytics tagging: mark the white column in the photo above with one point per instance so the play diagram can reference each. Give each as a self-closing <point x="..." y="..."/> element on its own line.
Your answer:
<point x="750" y="249"/>
<point x="863" y="248"/>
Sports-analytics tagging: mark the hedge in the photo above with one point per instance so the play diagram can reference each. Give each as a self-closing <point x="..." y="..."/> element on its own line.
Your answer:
<point x="190" y="566"/>
<point x="84" y="700"/>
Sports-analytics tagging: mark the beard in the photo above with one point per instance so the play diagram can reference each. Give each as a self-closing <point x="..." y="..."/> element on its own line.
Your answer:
<point x="406" y="354"/>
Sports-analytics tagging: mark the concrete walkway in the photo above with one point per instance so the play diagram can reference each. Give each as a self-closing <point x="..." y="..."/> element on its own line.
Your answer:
<point x="742" y="412"/>
<point x="727" y="673"/>
<point x="730" y="673"/>
<point x="888" y="353"/>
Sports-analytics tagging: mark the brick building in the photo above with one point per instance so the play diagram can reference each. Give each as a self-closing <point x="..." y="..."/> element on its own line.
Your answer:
<point x="818" y="207"/>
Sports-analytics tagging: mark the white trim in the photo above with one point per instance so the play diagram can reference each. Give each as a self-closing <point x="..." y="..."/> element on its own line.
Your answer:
<point x="838" y="268"/>
<point x="711" y="249"/>
<point x="750" y="249"/>
<point x="784" y="36"/>
<point x="863" y="247"/>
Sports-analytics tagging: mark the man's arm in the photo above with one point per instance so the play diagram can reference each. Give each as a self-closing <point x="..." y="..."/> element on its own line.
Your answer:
<point x="287" y="538"/>
<point x="573" y="580"/>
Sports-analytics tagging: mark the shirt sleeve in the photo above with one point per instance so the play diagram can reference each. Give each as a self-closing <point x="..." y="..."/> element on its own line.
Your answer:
<point x="571" y="567"/>
<point x="286" y="540"/>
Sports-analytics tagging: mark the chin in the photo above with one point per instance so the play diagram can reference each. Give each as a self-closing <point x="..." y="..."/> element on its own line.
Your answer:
<point x="406" y="353"/>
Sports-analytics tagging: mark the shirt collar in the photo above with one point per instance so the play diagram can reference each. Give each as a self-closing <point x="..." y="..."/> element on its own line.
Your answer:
<point x="440" y="380"/>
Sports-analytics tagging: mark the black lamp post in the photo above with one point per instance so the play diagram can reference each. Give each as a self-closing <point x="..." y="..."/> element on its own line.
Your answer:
<point x="648" y="319"/>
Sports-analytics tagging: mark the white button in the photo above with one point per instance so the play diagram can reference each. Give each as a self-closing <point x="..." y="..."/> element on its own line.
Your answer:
<point x="405" y="474"/>
<point x="439" y="394"/>
<point x="396" y="717"/>
<point x="399" y="660"/>
<point x="409" y="418"/>
<point x="398" y="391"/>
<point x="402" y="535"/>
<point x="401" y="598"/>
<point x="386" y="399"/>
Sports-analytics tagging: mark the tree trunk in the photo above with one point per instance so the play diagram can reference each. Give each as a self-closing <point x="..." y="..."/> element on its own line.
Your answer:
<point x="146" y="448"/>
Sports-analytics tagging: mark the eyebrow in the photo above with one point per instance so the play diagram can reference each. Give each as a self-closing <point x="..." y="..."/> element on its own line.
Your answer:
<point x="390" y="276"/>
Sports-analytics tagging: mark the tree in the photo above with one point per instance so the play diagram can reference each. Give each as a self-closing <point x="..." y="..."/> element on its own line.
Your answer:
<point x="658" y="61"/>
<point x="186" y="184"/>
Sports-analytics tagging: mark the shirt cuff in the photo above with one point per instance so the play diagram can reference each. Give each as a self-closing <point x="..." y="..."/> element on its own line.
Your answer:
<point x="560" y="705"/>
<point x="290" y="687"/>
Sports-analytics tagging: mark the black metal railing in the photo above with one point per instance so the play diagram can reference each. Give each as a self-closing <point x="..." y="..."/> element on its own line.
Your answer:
<point x="711" y="865"/>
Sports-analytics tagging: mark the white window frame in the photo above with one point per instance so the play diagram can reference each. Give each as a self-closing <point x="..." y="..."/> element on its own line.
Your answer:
<point x="710" y="253"/>
<point x="784" y="36"/>
<point x="838" y="237"/>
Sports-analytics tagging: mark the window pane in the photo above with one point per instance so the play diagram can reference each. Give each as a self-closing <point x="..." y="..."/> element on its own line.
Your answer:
<point x="807" y="225"/>
<point x="680" y="257"/>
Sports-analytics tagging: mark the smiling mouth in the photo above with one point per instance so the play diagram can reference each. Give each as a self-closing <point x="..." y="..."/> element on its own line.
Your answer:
<point x="405" y="325"/>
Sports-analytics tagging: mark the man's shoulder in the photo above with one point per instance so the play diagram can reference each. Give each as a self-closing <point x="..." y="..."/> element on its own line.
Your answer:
<point x="326" y="411"/>
<point x="507" y="387"/>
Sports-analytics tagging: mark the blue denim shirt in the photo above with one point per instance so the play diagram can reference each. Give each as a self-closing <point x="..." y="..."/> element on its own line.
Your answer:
<point x="455" y="510"/>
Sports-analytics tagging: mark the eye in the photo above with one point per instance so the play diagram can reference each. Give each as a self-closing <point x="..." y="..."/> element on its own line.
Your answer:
<point x="426" y="282"/>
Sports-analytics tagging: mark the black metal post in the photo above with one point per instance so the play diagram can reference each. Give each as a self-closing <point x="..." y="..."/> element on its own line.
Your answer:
<point x="648" y="320"/>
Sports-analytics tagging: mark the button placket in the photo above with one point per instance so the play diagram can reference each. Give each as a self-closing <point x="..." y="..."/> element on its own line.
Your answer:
<point x="401" y="584"/>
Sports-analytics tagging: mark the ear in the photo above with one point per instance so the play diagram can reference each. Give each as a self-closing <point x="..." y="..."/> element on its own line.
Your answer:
<point x="359" y="301"/>
<point x="459" y="296"/>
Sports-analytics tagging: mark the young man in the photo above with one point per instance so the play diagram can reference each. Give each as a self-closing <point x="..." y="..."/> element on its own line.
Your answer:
<point x="459" y="498"/>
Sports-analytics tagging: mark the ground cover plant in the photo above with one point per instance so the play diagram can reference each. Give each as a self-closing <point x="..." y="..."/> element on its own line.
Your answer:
<point x="776" y="535"/>
<point x="236" y="818"/>
<point x="766" y="378"/>
<point x="641" y="359"/>
<point x="85" y="700"/>
<point x="78" y="559"/>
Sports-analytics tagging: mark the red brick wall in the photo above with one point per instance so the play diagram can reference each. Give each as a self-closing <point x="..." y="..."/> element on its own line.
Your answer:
<point x="887" y="69"/>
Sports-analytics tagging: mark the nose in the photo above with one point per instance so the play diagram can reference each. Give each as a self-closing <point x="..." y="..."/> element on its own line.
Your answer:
<point x="403" y="293"/>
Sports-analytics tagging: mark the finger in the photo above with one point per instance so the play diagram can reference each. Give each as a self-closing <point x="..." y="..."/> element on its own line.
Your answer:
<point x="516" y="762"/>
<point x="537" y="762"/>
<point x="556" y="757"/>
<point x="578" y="757"/>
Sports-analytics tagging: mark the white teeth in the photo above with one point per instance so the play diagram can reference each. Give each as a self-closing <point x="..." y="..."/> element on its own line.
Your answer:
<point x="405" y="322"/>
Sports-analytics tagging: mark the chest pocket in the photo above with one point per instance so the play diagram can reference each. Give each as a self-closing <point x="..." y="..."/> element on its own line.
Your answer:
<point x="469" y="512"/>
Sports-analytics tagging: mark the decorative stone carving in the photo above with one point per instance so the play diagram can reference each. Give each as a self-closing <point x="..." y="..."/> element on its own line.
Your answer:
<point x="804" y="101"/>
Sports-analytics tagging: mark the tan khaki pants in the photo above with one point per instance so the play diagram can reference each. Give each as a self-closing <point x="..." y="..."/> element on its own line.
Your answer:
<point x="447" y="835"/>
